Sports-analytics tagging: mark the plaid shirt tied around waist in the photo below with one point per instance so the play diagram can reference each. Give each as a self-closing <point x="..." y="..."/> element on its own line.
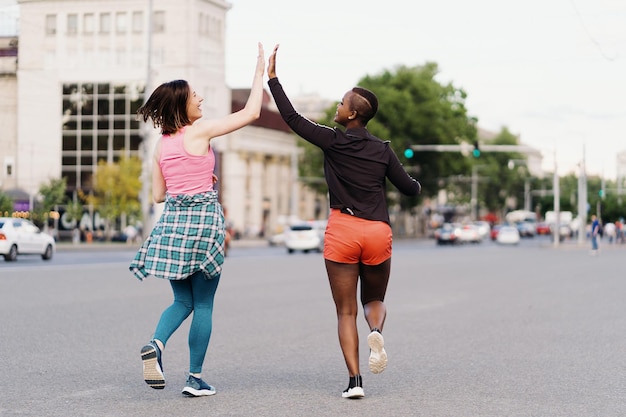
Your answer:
<point x="189" y="237"/>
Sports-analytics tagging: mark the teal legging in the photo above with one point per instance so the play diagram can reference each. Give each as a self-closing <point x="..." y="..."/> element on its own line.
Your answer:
<point x="196" y="294"/>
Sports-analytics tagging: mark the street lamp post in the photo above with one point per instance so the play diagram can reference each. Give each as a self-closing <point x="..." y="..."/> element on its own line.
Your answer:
<point x="557" y="205"/>
<point x="474" y="191"/>
<point x="582" y="202"/>
<point x="527" y="197"/>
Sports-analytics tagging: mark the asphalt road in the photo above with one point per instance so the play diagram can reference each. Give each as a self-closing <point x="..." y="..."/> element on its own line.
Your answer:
<point x="471" y="331"/>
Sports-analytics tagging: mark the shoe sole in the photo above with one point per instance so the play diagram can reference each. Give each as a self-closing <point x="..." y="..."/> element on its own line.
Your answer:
<point x="192" y="392"/>
<point x="352" y="393"/>
<point x="152" y="373"/>
<point x="378" y="356"/>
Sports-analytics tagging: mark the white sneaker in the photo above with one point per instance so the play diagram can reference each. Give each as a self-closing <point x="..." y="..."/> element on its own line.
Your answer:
<point x="378" y="356"/>
<point x="354" y="392"/>
<point x="357" y="390"/>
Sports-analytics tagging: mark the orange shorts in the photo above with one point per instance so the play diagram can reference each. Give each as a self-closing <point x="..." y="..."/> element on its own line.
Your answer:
<point x="351" y="240"/>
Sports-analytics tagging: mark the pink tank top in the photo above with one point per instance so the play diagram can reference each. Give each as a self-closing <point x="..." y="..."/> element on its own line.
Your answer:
<point x="185" y="173"/>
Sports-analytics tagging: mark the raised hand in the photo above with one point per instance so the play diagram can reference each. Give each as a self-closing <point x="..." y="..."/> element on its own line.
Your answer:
<point x="271" y="66"/>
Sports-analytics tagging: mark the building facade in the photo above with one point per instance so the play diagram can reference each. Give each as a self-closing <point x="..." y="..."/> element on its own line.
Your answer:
<point x="8" y="112"/>
<point x="84" y="69"/>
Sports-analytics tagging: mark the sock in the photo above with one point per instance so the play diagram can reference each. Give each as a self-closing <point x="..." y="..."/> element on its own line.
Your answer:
<point x="355" y="381"/>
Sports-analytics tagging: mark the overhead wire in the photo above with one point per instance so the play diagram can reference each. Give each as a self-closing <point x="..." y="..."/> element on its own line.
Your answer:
<point x="591" y="38"/>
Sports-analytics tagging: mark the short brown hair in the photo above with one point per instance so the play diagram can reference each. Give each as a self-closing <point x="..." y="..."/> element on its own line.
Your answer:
<point x="167" y="107"/>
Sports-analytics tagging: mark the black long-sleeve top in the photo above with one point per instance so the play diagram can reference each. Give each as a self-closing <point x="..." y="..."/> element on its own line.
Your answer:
<point x="356" y="163"/>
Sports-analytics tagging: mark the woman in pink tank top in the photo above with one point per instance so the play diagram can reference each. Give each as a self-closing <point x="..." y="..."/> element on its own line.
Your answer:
<point x="186" y="245"/>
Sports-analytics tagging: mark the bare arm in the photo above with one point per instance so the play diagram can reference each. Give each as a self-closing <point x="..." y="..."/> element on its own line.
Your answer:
<point x="251" y="111"/>
<point x="158" y="182"/>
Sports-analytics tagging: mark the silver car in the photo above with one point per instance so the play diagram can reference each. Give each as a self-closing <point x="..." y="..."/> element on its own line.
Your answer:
<point x="22" y="237"/>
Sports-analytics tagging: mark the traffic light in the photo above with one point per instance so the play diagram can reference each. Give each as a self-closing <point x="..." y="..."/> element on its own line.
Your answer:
<point x="476" y="151"/>
<point x="601" y="193"/>
<point x="409" y="153"/>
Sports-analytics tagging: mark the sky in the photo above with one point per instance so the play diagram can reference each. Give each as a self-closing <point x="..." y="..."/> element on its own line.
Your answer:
<point x="551" y="71"/>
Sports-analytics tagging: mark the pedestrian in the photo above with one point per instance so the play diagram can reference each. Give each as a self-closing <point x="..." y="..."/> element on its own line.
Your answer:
<point x="186" y="245"/>
<point x="610" y="231"/>
<point x="358" y="238"/>
<point x="595" y="231"/>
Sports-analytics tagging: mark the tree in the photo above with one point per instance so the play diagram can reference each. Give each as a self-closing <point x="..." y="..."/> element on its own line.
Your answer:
<point x="74" y="208"/>
<point x="499" y="182"/>
<point x="6" y="204"/>
<point x="53" y="194"/>
<point x="116" y="190"/>
<point x="414" y="109"/>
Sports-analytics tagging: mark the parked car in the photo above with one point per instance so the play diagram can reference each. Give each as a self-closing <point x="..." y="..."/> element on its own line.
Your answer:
<point x="508" y="235"/>
<point x="21" y="237"/>
<point x="543" y="228"/>
<point x="276" y="239"/>
<point x="484" y="228"/>
<point x="448" y="234"/>
<point x="493" y="233"/>
<point x="469" y="233"/>
<point x="304" y="237"/>
<point x="526" y="229"/>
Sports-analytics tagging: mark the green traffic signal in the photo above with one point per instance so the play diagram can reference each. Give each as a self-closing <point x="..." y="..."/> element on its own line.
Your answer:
<point x="409" y="153"/>
<point x="601" y="193"/>
<point x="476" y="151"/>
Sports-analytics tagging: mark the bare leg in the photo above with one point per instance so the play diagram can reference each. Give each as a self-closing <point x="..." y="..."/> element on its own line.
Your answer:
<point x="374" y="280"/>
<point x="343" y="279"/>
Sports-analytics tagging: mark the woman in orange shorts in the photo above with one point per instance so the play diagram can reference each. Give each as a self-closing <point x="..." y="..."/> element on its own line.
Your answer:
<point x="357" y="243"/>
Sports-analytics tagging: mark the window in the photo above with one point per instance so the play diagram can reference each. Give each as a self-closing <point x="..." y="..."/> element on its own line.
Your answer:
<point x="137" y="22"/>
<point x="120" y="22"/>
<point x="99" y="124"/>
<point x="51" y="24"/>
<point x="158" y="22"/>
<point x="72" y="24"/>
<point x="105" y="22"/>
<point x="8" y="167"/>
<point x="89" y="23"/>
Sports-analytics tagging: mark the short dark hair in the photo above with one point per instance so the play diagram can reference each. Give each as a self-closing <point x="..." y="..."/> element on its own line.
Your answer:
<point x="167" y="107"/>
<point x="366" y="105"/>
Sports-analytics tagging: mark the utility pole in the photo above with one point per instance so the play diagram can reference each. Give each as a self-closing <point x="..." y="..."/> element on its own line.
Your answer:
<point x="527" y="195"/>
<point x="557" y="205"/>
<point x="146" y="200"/>
<point x="582" y="200"/>
<point x="295" y="197"/>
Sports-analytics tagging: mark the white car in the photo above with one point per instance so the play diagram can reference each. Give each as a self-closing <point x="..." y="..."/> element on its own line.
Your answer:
<point x="484" y="228"/>
<point x="21" y="237"/>
<point x="470" y="233"/>
<point x="304" y="237"/>
<point x="508" y="235"/>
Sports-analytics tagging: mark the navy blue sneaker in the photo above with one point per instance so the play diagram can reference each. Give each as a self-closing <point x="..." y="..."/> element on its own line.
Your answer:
<point x="152" y="367"/>
<point x="196" y="387"/>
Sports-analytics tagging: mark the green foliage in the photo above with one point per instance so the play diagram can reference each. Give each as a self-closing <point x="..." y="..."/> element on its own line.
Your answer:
<point x="53" y="193"/>
<point x="6" y="204"/>
<point x="497" y="180"/>
<point x="116" y="189"/>
<point x="74" y="209"/>
<point x="414" y="108"/>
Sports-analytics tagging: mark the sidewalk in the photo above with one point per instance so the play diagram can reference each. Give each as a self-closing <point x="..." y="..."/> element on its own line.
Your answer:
<point x="99" y="246"/>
